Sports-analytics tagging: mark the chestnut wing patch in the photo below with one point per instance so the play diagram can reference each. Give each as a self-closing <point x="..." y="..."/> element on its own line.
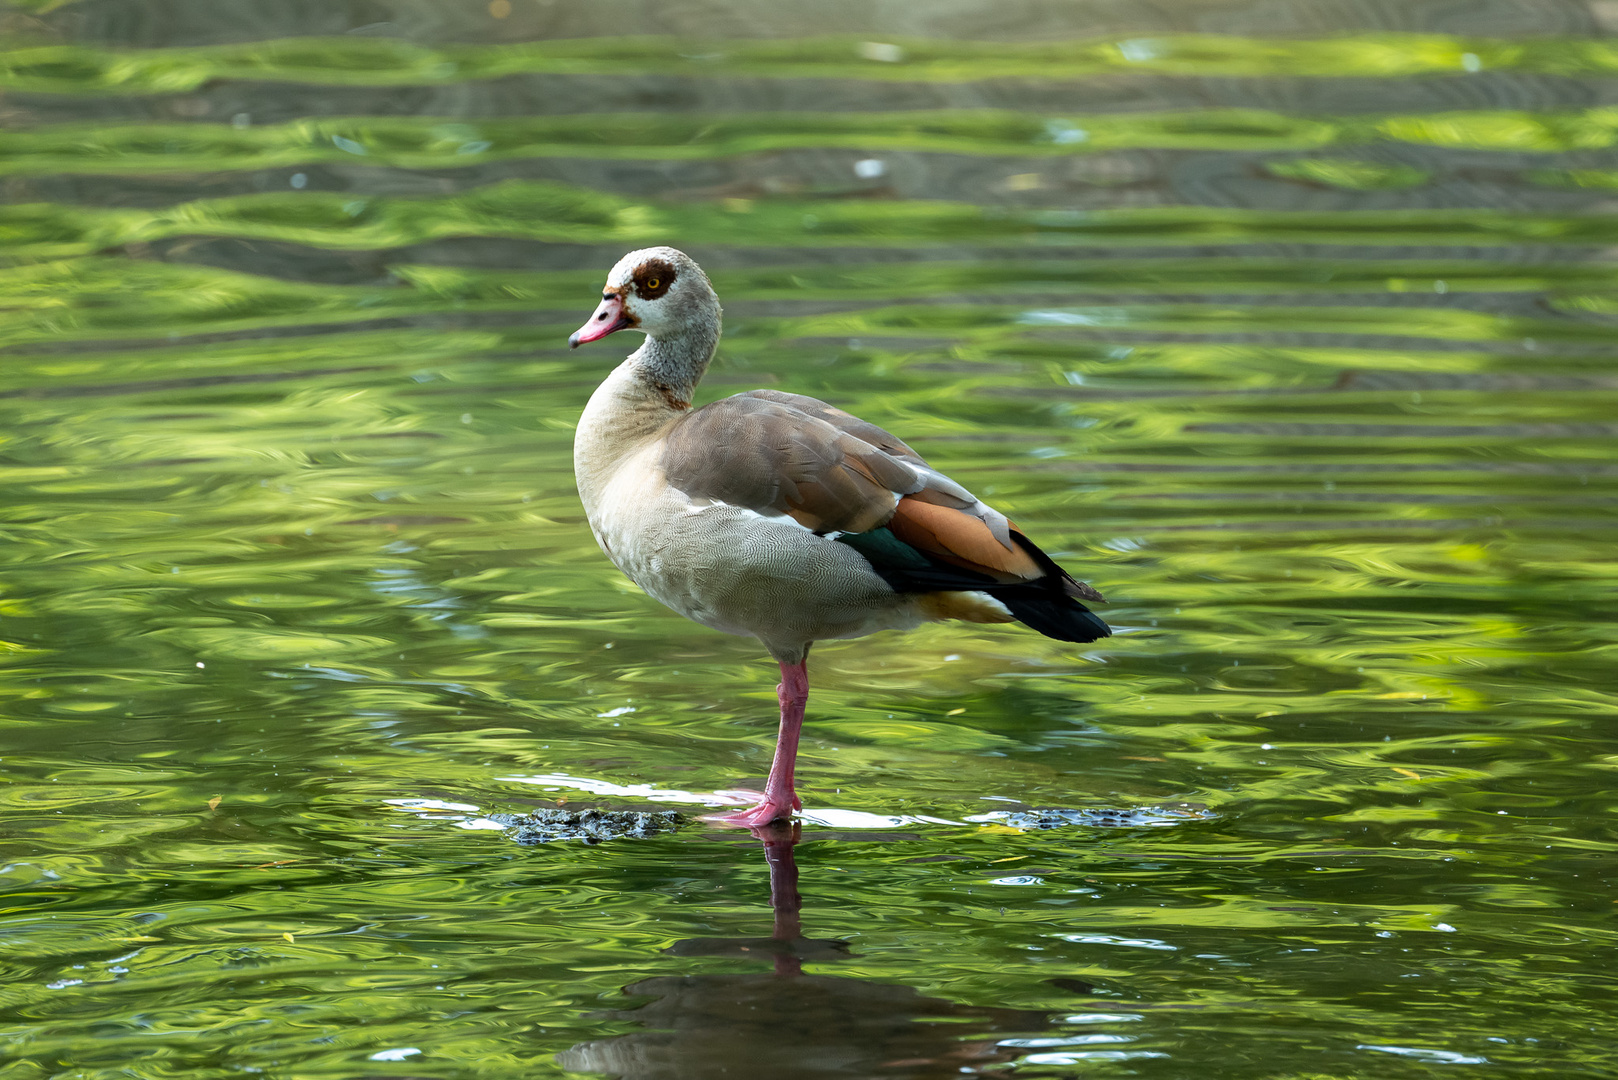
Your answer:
<point x="961" y="539"/>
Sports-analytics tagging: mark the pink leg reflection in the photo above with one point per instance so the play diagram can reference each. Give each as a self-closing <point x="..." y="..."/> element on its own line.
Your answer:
<point x="785" y="900"/>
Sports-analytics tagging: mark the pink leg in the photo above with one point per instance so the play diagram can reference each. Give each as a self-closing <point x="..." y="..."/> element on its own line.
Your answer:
<point x="780" y="798"/>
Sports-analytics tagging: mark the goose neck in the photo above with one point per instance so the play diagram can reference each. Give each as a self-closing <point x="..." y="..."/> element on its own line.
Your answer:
<point x="674" y="364"/>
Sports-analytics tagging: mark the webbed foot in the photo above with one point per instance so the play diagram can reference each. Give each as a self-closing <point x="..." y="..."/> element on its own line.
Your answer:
<point x="770" y="808"/>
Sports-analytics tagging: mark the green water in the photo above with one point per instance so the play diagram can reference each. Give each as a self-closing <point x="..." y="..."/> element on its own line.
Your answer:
<point x="1290" y="327"/>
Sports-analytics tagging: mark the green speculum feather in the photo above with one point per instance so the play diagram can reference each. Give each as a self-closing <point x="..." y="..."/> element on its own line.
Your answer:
<point x="884" y="550"/>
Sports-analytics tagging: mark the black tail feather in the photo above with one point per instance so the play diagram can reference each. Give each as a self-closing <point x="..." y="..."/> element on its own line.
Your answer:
<point x="1072" y="588"/>
<point x="1045" y="605"/>
<point x="1055" y="615"/>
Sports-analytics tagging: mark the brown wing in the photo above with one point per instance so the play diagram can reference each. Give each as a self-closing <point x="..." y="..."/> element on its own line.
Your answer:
<point x="773" y="457"/>
<point x="936" y="488"/>
<point x="842" y="421"/>
<point x="832" y="472"/>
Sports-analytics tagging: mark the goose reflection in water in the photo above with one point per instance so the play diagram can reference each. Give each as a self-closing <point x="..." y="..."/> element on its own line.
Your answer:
<point x="785" y="1023"/>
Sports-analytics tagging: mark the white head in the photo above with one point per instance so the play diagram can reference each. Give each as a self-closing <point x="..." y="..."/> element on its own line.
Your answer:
<point x="659" y="291"/>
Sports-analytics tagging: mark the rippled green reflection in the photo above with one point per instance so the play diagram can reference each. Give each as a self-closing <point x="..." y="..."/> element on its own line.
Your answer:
<point x="295" y="587"/>
<point x="432" y="142"/>
<point x="554" y="213"/>
<point x="381" y="61"/>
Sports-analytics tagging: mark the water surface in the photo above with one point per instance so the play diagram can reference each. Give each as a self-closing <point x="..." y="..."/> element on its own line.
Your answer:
<point x="1289" y="328"/>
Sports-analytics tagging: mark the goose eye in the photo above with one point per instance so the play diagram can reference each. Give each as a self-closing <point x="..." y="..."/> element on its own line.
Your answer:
<point x="653" y="283"/>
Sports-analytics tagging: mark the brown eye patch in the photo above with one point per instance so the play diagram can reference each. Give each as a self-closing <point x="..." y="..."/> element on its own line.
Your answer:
<point x="652" y="279"/>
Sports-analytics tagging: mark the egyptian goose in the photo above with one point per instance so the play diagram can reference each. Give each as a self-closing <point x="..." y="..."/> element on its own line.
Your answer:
<point x="779" y="516"/>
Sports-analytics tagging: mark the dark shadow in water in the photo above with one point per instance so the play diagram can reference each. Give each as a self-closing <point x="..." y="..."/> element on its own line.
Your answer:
<point x="785" y="1023"/>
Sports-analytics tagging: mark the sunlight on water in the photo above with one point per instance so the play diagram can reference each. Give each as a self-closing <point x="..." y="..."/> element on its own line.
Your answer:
<point x="1291" y="331"/>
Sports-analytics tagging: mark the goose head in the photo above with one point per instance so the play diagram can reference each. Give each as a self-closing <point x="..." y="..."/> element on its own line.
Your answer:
<point x="659" y="291"/>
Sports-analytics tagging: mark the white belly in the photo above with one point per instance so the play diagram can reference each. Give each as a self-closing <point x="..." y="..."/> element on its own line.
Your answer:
<point x="739" y="571"/>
